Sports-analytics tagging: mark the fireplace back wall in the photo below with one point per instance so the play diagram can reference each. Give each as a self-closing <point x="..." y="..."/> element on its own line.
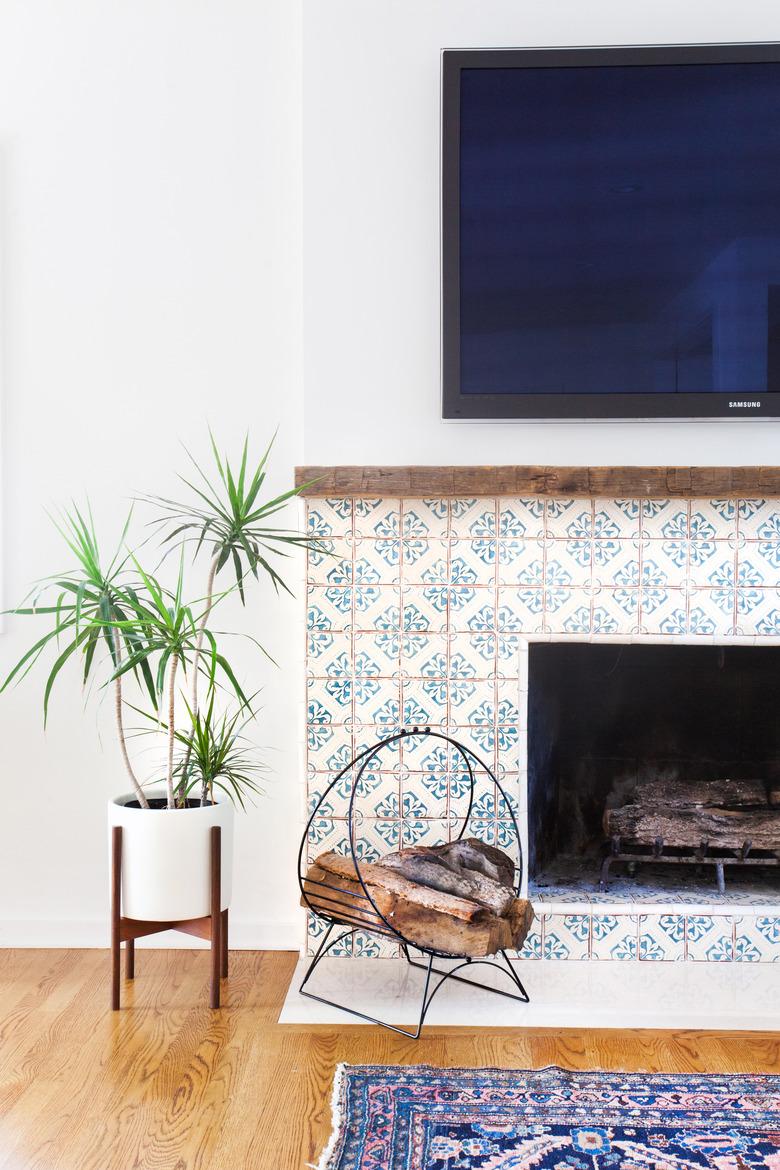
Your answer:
<point x="599" y="716"/>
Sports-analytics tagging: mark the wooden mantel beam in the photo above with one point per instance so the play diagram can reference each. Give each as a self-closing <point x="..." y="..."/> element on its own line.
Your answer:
<point x="614" y="482"/>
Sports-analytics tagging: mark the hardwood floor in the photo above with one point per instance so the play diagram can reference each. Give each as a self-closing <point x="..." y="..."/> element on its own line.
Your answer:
<point x="166" y="1083"/>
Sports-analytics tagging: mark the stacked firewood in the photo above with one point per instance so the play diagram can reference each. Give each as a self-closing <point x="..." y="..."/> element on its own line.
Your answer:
<point x="456" y="899"/>
<point x="726" y="814"/>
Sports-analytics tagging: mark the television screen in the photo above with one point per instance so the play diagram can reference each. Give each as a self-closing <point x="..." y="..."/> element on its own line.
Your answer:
<point x="611" y="232"/>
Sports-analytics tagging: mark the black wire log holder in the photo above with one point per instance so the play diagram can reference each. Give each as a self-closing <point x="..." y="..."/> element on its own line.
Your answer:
<point x="358" y="912"/>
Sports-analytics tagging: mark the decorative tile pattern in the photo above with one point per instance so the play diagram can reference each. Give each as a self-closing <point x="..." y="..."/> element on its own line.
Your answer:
<point x="417" y="611"/>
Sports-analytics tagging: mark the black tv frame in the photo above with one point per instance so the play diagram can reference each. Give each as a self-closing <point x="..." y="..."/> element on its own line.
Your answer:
<point x="455" y="405"/>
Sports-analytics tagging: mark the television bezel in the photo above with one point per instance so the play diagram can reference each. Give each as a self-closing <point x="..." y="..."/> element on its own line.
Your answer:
<point x="586" y="407"/>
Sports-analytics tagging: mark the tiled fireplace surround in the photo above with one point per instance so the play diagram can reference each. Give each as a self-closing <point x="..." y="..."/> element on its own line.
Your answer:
<point x="421" y="613"/>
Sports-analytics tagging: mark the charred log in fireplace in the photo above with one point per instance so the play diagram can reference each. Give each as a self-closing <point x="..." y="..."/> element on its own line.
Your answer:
<point x="715" y="822"/>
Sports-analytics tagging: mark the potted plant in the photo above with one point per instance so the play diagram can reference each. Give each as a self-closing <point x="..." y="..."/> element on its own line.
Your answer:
<point x="127" y="628"/>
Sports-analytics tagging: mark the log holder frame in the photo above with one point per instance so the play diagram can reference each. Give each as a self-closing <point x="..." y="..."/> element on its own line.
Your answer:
<point x="362" y="913"/>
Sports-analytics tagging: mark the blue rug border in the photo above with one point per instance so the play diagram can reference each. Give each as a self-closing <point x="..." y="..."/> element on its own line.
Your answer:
<point x="352" y="1081"/>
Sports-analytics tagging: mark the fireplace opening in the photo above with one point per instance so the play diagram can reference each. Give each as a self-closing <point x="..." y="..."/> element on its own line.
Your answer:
<point x="668" y="754"/>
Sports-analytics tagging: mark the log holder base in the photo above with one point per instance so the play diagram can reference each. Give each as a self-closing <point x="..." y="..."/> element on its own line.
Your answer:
<point x="442" y="976"/>
<point x="657" y="853"/>
<point x="212" y="927"/>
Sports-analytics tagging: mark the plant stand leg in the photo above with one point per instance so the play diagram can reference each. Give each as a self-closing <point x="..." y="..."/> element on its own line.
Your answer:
<point x="130" y="959"/>
<point x="116" y="895"/>
<point x="216" y="913"/>
<point x="224" y="944"/>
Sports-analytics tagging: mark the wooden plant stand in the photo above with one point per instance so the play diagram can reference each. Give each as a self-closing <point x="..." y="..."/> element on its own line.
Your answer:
<point x="212" y="926"/>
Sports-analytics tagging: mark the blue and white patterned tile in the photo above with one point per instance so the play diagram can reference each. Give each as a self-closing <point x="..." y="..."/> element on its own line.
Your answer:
<point x="520" y="562"/>
<point x="377" y="561"/>
<point x="566" y="611"/>
<point x="422" y="612"/>
<point x="709" y="938"/>
<point x="760" y="519"/>
<point x="419" y="830"/>
<point x="662" y="938"/>
<point x="328" y="517"/>
<point x="757" y="939"/>
<point x="425" y="561"/>
<point x="375" y="946"/>
<point x="758" y="612"/>
<point x="315" y="929"/>
<point x="473" y="562"/>
<point x="331" y="571"/>
<point x="712" y="563"/>
<point x="614" y="937"/>
<point x="665" y="519"/>
<point x="424" y="702"/>
<point x="568" y="519"/>
<point x="326" y="835"/>
<point x="520" y="611"/>
<point x="423" y="655"/>
<point x="377" y="795"/>
<point x="381" y="647"/>
<point x="566" y="936"/>
<point x="474" y="518"/>
<point x="615" y="611"/>
<point x="665" y="562"/>
<point x="425" y="518"/>
<point x="508" y="708"/>
<point x="320" y="556"/>
<point x="375" y="607"/>
<point x="321" y="640"/>
<point x="521" y="518"/>
<point x="432" y="789"/>
<point x="663" y="611"/>
<point x="616" y="519"/>
<point x="333" y="695"/>
<point x="532" y="947"/>
<point x="615" y="563"/>
<point x="712" y="519"/>
<point x="568" y="563"/>
<point x="473" y="654"/>
<point x="329" y="658"/>
<point x="758" y="563"/>
<point x="379" y="705"/>
<point x="470" y="607"/>
<point x="377" y="519"/>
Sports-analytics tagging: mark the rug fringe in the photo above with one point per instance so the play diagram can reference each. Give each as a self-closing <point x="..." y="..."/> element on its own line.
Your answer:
<point x="335" y="1119"/>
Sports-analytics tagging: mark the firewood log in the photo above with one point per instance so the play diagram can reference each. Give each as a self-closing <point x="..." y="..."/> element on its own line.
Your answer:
<point x="424" y="916"/>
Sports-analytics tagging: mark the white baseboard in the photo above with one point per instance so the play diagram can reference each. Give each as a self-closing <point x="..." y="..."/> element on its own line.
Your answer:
<point x="88" y="933"/>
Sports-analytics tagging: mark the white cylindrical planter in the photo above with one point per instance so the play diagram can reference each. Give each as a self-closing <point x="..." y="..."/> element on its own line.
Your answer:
<point x="166" y="869"/>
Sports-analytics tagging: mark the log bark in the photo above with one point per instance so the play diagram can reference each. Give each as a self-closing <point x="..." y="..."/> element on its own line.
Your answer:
<point x="465" y="912"/>
<point x="724" y="813"/>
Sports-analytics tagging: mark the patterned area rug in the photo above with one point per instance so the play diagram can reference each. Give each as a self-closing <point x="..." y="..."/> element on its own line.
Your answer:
<point x="420" y="1118"/>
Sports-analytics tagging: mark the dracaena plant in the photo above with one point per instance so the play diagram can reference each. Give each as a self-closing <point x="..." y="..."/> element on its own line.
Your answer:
<point x="122" y="623"/>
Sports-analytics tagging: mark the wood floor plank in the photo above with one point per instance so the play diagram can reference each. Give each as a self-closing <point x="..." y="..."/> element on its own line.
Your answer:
<point x="167" y="1083"/>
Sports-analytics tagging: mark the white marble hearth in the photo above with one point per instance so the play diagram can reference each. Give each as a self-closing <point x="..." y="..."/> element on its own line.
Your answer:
<point x="422" y="612"/>
<point x="593" y="995"/>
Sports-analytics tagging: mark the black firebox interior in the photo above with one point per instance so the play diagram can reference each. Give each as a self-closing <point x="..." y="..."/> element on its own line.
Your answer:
<point x="601" y="716"/>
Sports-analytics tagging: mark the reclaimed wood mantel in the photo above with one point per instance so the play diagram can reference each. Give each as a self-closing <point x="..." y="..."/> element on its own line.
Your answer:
<point x="614" y="482"/>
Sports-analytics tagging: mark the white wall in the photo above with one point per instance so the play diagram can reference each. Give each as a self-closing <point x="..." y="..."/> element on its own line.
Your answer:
<point x="150" y="230"/>
<point x="150" y="236"/>
<point x="371" y="228"/>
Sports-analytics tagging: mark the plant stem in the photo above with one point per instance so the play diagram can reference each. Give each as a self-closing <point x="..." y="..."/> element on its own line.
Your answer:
<point x="171" y="728"/>
<point x="202" y="629"/>
<point x="120" y="727"/>
<point x="196" y="658"/>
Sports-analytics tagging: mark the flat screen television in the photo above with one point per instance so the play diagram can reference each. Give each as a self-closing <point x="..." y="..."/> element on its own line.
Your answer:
<point x="611" y="232"/>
